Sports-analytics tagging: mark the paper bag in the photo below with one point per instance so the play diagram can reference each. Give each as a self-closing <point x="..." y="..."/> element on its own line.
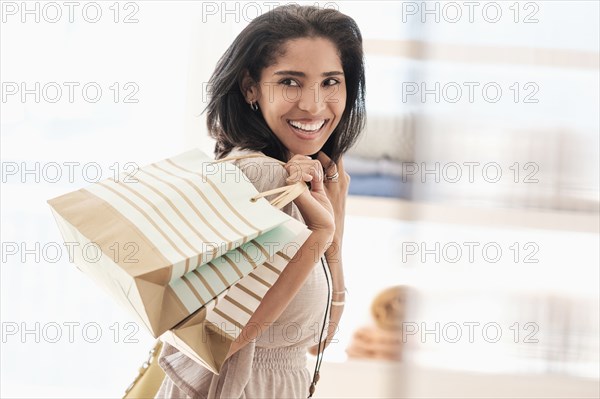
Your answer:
<point x="175" y="238"/>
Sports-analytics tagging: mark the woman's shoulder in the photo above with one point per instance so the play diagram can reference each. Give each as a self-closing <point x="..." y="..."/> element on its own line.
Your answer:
<point x="263" y="171"/>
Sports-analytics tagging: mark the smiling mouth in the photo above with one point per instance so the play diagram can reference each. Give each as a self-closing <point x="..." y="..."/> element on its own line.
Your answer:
<point x="307" y="127"/>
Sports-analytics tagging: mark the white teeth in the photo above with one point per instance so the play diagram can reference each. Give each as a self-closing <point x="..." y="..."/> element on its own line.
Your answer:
<point x="308" y="127"/>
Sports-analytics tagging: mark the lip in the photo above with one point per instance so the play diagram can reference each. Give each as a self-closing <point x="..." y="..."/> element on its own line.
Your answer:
<point x="307" y="135"/>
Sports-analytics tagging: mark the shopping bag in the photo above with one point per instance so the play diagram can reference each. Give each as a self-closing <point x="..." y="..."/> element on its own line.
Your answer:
<point x="180" y="234"/>
<point x="207" y="335"/>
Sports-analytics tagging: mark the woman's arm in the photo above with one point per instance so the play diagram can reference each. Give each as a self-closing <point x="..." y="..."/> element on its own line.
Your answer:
<point x="317" y="213"/>
<point x="337" y="192"/>
<point x="339" y="296"/>
<point x="279" y="296"/>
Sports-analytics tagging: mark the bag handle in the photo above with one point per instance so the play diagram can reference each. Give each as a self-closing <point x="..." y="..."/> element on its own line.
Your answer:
<point x="286" y="193"/>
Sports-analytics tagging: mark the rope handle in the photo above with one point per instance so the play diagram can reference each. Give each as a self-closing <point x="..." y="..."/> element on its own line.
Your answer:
<point x="286" y="193"/>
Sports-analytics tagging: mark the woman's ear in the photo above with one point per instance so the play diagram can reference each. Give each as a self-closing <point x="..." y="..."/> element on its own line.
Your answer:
<point x="249" y="88"/>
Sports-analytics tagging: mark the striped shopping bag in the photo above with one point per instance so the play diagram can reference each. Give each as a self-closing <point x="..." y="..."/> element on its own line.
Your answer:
<point x="207" y="335"/>
<point x="176" y="238"/>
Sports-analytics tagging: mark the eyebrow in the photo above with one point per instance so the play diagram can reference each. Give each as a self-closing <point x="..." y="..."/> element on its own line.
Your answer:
<point x="303" y="75"/>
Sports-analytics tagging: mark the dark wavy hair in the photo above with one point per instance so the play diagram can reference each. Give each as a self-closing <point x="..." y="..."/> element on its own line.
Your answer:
<point x="230" y="120"/>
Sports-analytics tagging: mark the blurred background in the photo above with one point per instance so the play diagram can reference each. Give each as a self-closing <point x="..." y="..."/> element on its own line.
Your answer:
<point x="471" y="246"/>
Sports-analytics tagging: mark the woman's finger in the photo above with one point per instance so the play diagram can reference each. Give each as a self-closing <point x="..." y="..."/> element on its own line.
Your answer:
<point x="328" y="165"/>
<point x="298" y="175"/>
<point x="316" y="184"/>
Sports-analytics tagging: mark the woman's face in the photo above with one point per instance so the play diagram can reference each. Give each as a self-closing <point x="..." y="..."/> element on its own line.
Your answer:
<point x="303" y="95"/>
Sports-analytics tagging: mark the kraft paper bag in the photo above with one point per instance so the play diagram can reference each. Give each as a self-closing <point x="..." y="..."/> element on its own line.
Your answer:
<point x="207" y="335"/>
<point x="171" y="241"/>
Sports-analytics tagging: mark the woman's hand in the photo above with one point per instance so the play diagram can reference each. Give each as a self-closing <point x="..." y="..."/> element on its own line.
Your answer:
<point x="337" y="191"/>
<point x="314" y="205"/>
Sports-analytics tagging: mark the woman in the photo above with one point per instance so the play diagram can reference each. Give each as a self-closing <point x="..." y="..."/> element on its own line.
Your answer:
<point x="290" y="87"/>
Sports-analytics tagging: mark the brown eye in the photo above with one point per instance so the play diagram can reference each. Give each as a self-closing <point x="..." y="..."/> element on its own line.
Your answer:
<point x="289" y="82"/>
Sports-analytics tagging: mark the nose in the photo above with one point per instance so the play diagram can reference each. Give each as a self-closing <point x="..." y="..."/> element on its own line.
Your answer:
<point x="312" y="100"/>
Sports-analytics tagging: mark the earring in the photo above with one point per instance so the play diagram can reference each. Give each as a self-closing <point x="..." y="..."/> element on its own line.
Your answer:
<point x="254" y="106"/>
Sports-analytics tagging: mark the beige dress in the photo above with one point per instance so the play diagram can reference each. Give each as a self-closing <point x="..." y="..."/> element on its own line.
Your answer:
<point x="274" y="365"/>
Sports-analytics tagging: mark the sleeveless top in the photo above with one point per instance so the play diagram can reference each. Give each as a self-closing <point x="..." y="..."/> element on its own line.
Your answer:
<point x="274" y="364"/>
